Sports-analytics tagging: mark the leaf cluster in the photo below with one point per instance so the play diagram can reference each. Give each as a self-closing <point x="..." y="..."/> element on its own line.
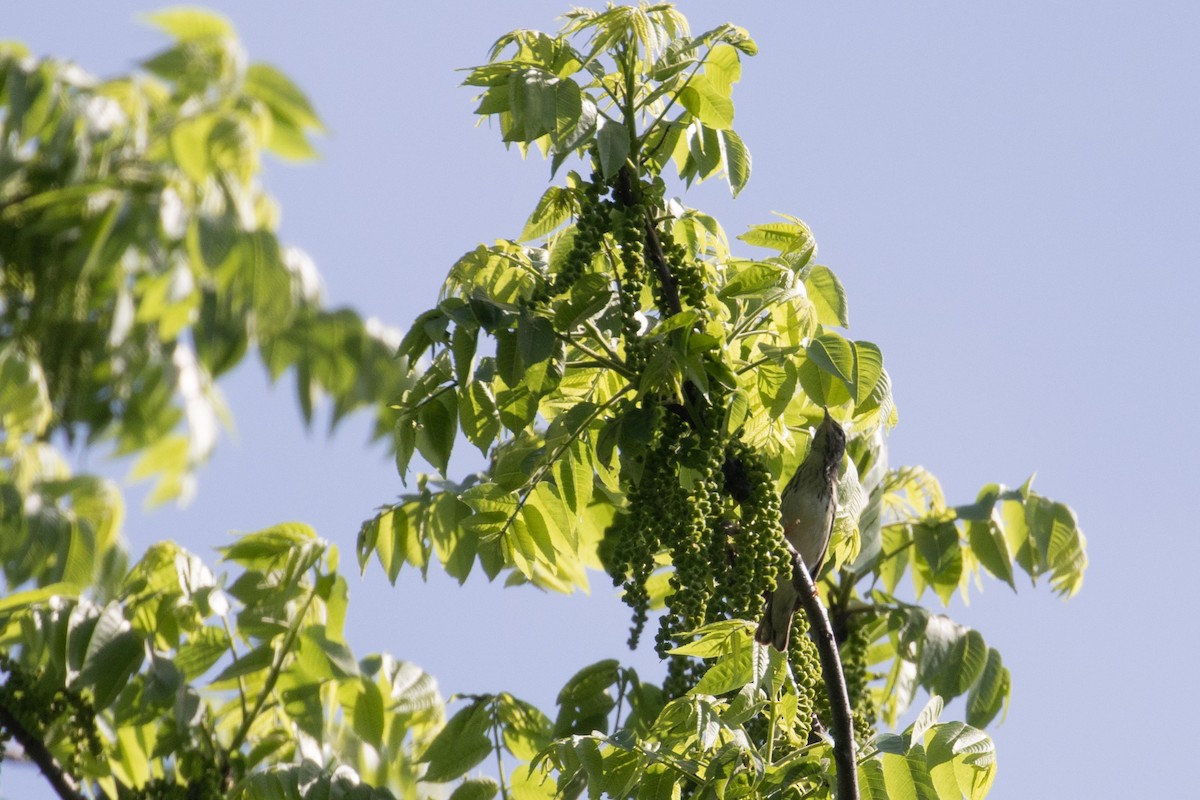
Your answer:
<point x="223" y="680"/>
<point x="138" y="256"/>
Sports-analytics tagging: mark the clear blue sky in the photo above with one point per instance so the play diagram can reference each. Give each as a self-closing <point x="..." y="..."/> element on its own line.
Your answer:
<point x="1010" y="192"/>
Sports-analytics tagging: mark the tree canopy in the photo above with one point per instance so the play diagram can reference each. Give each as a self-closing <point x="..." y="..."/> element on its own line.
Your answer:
<point x="640" y="388"/>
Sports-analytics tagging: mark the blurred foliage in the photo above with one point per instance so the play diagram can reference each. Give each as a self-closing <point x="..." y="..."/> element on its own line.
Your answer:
<point x="138" y="264"/>
<point x="138" y="252"/>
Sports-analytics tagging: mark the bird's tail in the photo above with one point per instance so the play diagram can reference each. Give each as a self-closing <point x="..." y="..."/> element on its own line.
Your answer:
<point x="776" y="625"/>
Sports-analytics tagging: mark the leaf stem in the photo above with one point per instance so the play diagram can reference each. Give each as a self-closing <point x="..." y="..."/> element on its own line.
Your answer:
<point x="857" y="576"/>
<point x="615" y="366"/>
<point x="234" y="653"/>
<point x="601" y="339"/>
<point x="276" y="668"/>
<point x="670" y="103"/>
<point x="499" y="755"/>
<point x="545" y="467"/>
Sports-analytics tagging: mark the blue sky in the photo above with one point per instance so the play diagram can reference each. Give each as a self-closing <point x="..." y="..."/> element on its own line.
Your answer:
<point x="1008" y="191"/>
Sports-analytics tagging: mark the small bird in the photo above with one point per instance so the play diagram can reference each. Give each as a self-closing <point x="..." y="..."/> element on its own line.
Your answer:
<point x="807" y="506"/>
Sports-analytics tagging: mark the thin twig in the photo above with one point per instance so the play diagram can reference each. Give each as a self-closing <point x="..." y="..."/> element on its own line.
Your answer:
<point x="36" y="751"/>
<point x="601" y="339"/>
<point x="272" y="676"/>
<point x="857" y="576"/>
<point x="499" y="755"/>
<point x="615" y="365"/>
<point x="233" y="651"/>
<point x="545" y="467"/>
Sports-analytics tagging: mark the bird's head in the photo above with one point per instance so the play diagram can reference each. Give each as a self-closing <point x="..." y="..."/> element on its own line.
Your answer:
<point x="830" y="439"/>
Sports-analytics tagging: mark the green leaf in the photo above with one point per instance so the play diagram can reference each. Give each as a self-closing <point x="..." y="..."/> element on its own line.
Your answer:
<point x="990" y="693"/>
<point x="659" y="784"/>
<point x="961" y="761"/>
<point x="590" y="295"/>
<point x="285" y="100"/>
<point x="568" y="109"/>
<point x="437" y="425"/>
<point x="827" y="295"/>
<point x="990" y="547"/>
<point x="753" y="279"/>
<point x="963" y="666"/>
<point x="526" y="730"/>
<point x="938" y="556"/>
<point x="703" y="152"/>
<point x="925" y="720"/>
<point x="367" y="712"/>
<point x="792" y="239"/>
<point x="202" y="650"/>
<point x="555" y="207"/>
<point x="33" y="597"/>
<point x="24" y="397"/>
<point x="723" y="67"/>
<point x="827" y="375"/>
<point x="259" y="659"/>
<point x="729" y="674"/>
<point x="190" y="146"/>
<point x="537" y="342"/>
<point x="716" y="639"/>
<point x="737" y="411"/>
<point x="114" y="654"/>
<point x="478" y="415"/>
<point x="454" y="545"/>
<point x="460" y="745"/>
<point x="476" y="789"/>
<point x="872" y="784"/>
<point x="289" y="142"/>
<point x="573" y="474"/>
<point x="190" y="24"/>
<point x="737" y="161"/>
<point x="517" y="408"/>
<point x="868" y="369"/>
<point x="708" y="103"/>
<point x="589" y="681"/>
<point x="613" y="145"/>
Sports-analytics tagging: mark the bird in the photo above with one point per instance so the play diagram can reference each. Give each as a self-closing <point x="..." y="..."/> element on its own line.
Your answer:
<point x="807" y="507"/>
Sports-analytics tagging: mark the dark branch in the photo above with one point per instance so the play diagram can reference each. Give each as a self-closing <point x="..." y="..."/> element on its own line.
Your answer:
<point x="36" y="751"/>
<point x="662" y="269"/>
<point x="835" y="681"/>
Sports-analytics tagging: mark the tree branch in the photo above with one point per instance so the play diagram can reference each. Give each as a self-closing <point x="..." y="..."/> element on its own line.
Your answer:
<point x="835" y="680"/>
<point x="36" y="751"/>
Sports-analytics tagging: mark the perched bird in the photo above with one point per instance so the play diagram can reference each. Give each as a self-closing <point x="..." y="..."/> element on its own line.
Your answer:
<point x="807" y="506"/>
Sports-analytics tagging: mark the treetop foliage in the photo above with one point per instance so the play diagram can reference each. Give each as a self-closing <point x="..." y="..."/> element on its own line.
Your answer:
<point x="639" y="386"/>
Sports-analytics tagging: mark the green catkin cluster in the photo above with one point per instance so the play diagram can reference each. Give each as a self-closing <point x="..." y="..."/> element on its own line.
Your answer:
<point x="763" y="556"/>
<point x="806" y="669"/>
<point x="724" y="554"/>
<point x="630" y="233"/>
<point x="854" y="665"/>
<point x="689" y="274"/>
<point x="655" y="502"/>
<point x="590" y="228"/>
<point x="43" y="709"/>
<point x="725" y="548"/>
